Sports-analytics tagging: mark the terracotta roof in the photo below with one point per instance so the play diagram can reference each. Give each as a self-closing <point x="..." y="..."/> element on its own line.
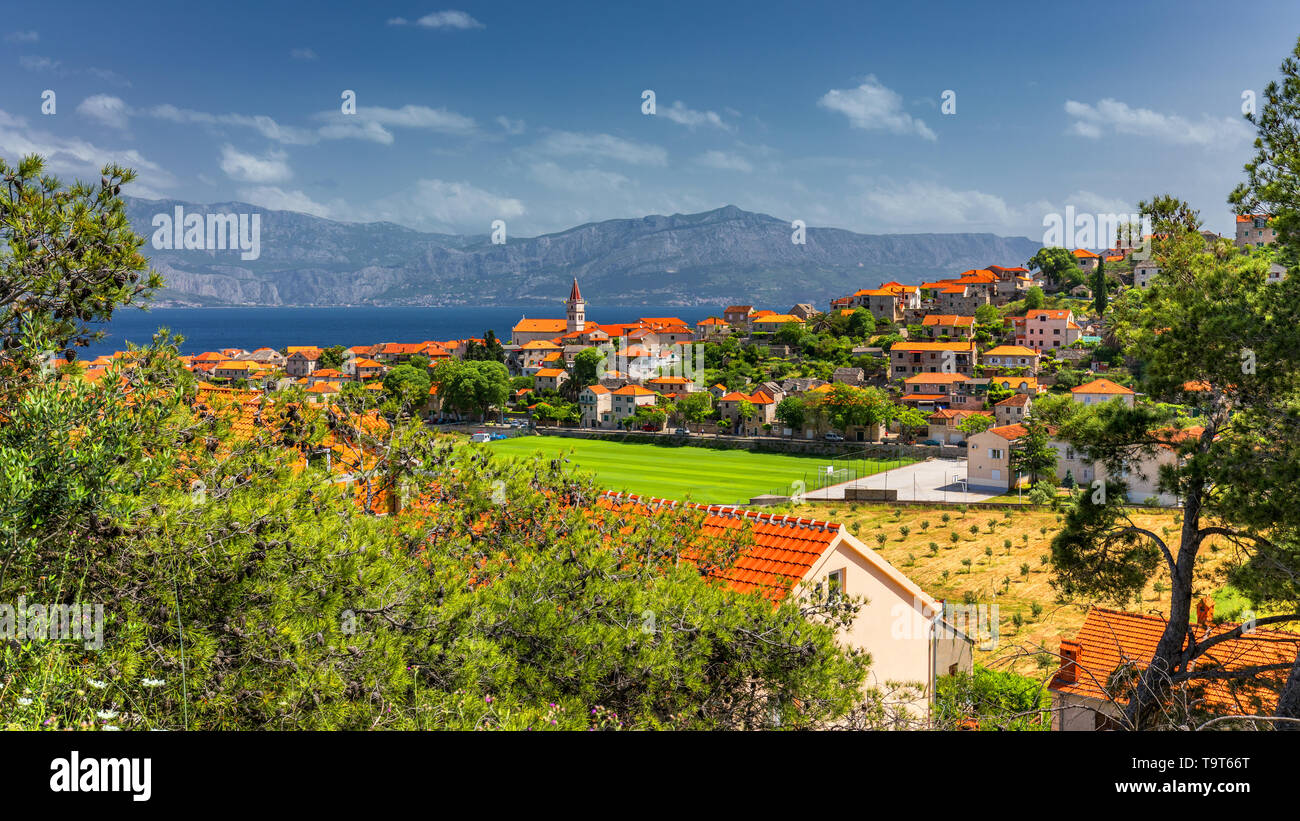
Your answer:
<point x="399" y="348"/>
<point x="539" y="345"/>
<point x="545" y="326"/>
<point x="779" y="318"/>
<point x="1010" y="350"/>
<point x="597" y="389"/>
<point x="1102" y="386"/>
<point x="551" y="373"/>
<point x="633" y="390"/>
<point x="574" y="293"/>
<point x="948" y="319"/>
<point x="963" y="347"/>
<point x="783" y="548"/>
<point x="936" y="378"/>
<point x="713" y="320"/>
<point x="1049" y="313"/>
<point x="924" y="397"/>
<point x="1014" y="401"/>
<point x="1010" y="432"/>
<point x="1109" y="638"/>
<point x="1083" y="254"/>
<point x="739" y="309"/>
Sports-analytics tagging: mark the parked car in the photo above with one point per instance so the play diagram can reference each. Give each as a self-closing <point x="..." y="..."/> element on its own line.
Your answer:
<point x="932" y="442"/>
<point x="650" y="428"/>
<point x="682" y="432"/>
<point x="481" y="436"/>
<point x="834" y="437"/>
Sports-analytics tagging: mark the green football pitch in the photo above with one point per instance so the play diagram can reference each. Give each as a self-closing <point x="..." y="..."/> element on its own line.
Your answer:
<point x="688" y="473"/>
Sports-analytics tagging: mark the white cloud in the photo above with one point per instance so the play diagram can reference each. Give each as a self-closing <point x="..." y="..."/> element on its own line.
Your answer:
<point x="302" y="54"/>
<point x="929" y="206"/>
<point x="272" y="167"/>
<point x="605" y="146"/>
<point x="351" y="129"/>
<point x="267" y="127"/>
<point x="276" y="199"/>
<point x="417" y="116"/>
<point x="22" y="37"/>
<point x="450" y="19"/>
<point x="77" y="157"/>
<point x="512" y="127"/>
<point x="577" y="181"/>
<point x="680" y="114"/>
<point x="873" y="107"/>
<point x="105" y="109"/>
<point x="39" y="63"/>
<point x="446" y="206"/>
<point x="723" y="160"/>
<point x="108" y="76"/>
<point x="1092" y="121"/>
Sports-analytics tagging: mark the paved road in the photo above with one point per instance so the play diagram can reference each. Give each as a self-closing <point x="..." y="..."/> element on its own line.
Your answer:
<point x="934" y="480"/>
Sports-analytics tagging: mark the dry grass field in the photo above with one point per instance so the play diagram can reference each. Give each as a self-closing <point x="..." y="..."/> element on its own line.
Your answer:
<point x="1003" y="563"/>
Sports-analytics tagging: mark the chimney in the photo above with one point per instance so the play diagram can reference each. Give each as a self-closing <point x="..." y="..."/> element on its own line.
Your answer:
<point x="1204" y="612"/>
<point x="1071" y="658"/>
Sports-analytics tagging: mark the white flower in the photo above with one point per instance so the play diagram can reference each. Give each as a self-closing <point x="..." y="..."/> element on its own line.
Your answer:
<point x="153" y="682"/>
<point x="107" y="715"/>
<point x="23" y="702"/>
<point x="110" y="727"/>
<point x="98" y="685"/>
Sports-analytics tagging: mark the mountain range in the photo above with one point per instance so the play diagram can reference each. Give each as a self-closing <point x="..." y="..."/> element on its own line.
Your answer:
<point x="727" y="255"/>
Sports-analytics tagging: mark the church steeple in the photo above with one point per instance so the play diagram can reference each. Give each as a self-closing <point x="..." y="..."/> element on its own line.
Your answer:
<point x="576" y="313"/>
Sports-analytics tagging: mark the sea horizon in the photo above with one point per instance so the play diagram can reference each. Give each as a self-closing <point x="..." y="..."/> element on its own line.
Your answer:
<point x="249" y="327"/>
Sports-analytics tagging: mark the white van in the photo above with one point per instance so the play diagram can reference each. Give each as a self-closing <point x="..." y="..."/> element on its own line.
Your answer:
<point x="481" y="437"/>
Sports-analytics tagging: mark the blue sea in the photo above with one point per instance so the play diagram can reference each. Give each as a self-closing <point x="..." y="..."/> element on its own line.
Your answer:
<point x="211" y="329"/>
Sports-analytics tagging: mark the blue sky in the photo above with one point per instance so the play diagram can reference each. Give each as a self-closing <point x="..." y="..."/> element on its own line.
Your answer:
<point x="531" y="112"/>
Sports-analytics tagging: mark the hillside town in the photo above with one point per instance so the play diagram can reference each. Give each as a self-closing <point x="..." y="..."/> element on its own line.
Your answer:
<point x="957" y="366"/>
<point x="968" y="376"/>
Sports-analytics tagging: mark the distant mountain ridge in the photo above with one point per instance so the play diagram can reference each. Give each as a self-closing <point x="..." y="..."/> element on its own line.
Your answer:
<point x="727" y="255"/>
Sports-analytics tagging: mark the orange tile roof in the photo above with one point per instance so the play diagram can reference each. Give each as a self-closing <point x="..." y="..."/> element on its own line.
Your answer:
<point x="1014" y="401"/>
<point x="936" y="378"/>
<point x="1049" y="313"/>
<point x="1010" y="432"/>
<point x="783" y="548"/>
<point x="713" y="320"/>
<point x="1083" y="254"/>
<point x="924" y="397"/>
<point x="551" y="373"/>
<point x="539" y="345"/>
<point x="1109" y="638"/>
<point x="963" y="347"/>
<point x="1010" y="350"/>
<point x="633" y="390"/>
<point x="1102" y="386"/>
<point x="545" y="326"/>
<point x="948" y="319"/>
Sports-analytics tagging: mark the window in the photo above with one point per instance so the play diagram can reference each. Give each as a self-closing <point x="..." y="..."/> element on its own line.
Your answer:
<point x="835" y="585"/>
<point x="995" y="453"/>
